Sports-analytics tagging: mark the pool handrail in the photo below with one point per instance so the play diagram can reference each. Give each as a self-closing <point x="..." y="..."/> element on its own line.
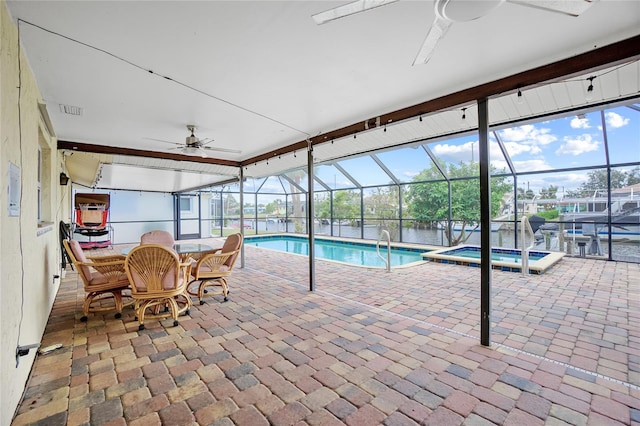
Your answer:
<point x="526" y="226"/>
<point x="388" y="260"/>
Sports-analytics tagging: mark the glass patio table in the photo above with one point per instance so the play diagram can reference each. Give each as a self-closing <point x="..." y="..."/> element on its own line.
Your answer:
<point x="184" y="250"/>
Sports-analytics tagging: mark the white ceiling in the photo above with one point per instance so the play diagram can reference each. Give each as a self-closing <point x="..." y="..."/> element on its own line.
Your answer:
<point x="258" y="76"/>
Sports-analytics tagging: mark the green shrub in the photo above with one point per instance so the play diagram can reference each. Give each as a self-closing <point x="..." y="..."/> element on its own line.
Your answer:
<point x="549" y="214"/>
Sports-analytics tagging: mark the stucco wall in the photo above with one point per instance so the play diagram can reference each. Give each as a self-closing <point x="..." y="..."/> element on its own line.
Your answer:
<point x="29" y="251"/>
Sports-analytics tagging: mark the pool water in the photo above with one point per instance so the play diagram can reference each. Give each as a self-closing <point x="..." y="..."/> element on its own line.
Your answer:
<point x="355" y="253"/>
<point x="503" y="259"/>
<point x="498" y="255"/>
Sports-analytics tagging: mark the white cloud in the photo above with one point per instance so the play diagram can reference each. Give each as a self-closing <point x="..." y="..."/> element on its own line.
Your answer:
<point x="446" y="149"/>
<point x="457" y="153"/>
<point x="514" y="148"/>
<point x="528" y="134"/>
<point x="500" y="165"/>
<point x="564" y="181"/>
<point x="580" y="123"/>
<point x="615" y="120"/>
<point x="526" y="139"/>
<point x="271" y="188"/>
<point x="470" y="150"/>
<point x="572" y="180"/>
<point x="410" y="174"/>
<point x="531" y="165"/>
<point x="578" y="145"/>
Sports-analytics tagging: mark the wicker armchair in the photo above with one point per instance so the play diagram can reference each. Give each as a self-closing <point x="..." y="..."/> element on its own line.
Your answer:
<point x="158" y="283"/>
<point x="213" y="268"/>
<point x="107" y="279"/>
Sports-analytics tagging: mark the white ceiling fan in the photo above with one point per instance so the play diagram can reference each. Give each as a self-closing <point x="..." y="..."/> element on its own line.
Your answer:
<point x="195" y="146"/>
<point x="450" y="11"/>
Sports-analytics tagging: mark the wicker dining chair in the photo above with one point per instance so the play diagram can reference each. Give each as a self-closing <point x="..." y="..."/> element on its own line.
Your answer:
<point x="214" y="267"/>
<point x="103" y="277"/>
<point x="158" y="283"/>
<point x="158" y="236"/>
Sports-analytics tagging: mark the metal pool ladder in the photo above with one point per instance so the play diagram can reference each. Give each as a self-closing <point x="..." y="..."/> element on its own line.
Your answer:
<point x="387" y="261"/>
<point x="526" y="226"/>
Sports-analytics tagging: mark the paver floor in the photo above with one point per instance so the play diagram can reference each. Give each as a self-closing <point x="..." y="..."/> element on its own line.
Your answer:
<point x="367" y="347"/>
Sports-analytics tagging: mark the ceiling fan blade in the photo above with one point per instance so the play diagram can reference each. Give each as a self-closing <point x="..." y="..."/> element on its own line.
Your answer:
<point x="202" y="143"/>
<point x="348" y="9"/>
<point x="567" y="7"/>
<point x="195" y="146"/>
<point x="438" y="29"/>
<point x="160" y="140"/>
<point x="232" y="151"/>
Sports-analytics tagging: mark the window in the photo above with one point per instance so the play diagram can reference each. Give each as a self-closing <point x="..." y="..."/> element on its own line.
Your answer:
<point x="185" y="204"/>
<point x="43" y="180"/>
<point x="39" y="184"/>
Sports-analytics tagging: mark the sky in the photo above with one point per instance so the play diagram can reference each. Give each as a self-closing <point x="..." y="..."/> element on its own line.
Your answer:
<point x="561" y="143"/>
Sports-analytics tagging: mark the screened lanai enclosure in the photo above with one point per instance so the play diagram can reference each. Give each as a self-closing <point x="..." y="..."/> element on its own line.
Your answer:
<point x="574" y="177"/>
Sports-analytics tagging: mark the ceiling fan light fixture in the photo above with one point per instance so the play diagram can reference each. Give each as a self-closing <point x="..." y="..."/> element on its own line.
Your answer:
<point x="464" y="11"/>
<point x="193" y="150"/>
<point x="193" y="145"/>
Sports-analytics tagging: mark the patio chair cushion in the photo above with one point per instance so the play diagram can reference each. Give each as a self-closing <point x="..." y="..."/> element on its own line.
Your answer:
<point x="232" y="243"/>
<point x="168" y="280"/>
<point x="205" y="268"/>
<point x="80" y="256"/>
<point x="96" y="278"/>
<point x="158" y="237"/>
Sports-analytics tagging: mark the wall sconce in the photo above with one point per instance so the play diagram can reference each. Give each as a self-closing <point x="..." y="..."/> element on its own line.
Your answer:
<point x="64" y="179"/>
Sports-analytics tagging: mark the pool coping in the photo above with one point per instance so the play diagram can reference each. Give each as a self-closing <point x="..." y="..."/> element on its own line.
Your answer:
<point x="422" y="248"/>
<point x="550" y="259"/>
<point x="430" y="253"/>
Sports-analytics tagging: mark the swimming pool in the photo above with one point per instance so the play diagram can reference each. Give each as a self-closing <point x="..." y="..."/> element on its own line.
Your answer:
<point x="351" y="252"/>
<point x="502" y="258"/>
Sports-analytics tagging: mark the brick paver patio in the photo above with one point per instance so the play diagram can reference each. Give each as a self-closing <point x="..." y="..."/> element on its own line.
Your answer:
<point x="367" y="347"/>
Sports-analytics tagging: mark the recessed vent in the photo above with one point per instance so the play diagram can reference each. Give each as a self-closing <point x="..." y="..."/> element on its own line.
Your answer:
<point x="70" y="109"/>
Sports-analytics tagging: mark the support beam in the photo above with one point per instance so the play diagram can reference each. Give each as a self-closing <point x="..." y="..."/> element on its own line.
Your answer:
<point x="310" y="216"/>
<point x="242" y="214"/>
<point x="112" y="150"/>
<point x="606" y="153"/>
<point x="485" y="223"/>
